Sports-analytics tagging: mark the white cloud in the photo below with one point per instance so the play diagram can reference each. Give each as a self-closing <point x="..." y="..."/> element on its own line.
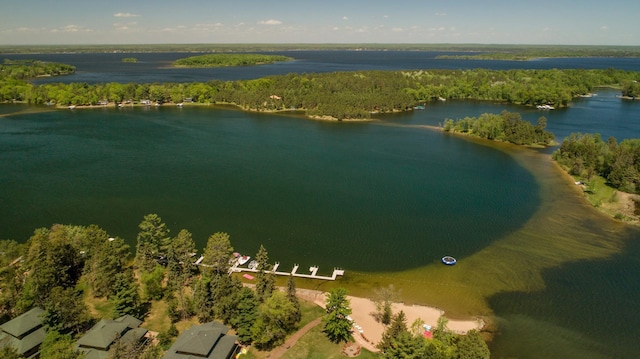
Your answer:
<point x="125" y="14"/>
<point x="270" y="22"/>
<point x="441" y="14"/>
<point x="345" y="18"/>
<point x="397" y="29"/>
<point x="604" y="27"/>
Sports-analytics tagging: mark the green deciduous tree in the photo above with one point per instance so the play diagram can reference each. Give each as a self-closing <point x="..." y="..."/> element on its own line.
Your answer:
<point x="58" y="346"/>
<point x="244" y="314"/>
<point x="276" y="318"/>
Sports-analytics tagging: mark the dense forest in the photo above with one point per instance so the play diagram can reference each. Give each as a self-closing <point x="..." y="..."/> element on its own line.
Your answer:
<point x="231" y="59"/>
<point x="507" y="127"/>
<point x="72" y="272"/>
<point x="587" y="155"/>
<point x="341" y="95"/>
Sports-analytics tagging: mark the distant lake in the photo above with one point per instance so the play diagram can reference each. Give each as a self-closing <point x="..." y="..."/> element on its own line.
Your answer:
<point x="384" y="200"/>
<point x="156" y="67"/>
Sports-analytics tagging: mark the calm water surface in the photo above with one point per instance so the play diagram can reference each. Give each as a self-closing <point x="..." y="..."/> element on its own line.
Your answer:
<point x="383" y="200"/>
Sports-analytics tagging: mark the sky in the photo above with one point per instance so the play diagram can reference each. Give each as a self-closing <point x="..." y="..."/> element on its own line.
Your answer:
<point x="575" y="22"/>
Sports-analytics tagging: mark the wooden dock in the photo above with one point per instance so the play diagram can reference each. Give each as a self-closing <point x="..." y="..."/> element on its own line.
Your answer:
<point x="313" y="271"/>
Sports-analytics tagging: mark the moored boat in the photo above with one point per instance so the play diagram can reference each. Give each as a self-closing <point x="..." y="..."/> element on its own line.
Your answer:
<point x="243" y="259"/>
<point x="449" y="260"/>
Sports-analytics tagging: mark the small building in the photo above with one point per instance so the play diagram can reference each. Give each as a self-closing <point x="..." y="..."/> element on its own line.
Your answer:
<point x="209" y="341"/>
<point x="25" y="333"/>
<point x="96" y="342"/>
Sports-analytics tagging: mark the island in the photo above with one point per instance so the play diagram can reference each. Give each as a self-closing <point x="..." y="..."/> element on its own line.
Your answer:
<point x="229" y="59"/>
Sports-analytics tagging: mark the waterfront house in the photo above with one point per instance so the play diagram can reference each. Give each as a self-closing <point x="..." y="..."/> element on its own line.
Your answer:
<point x="96" y="342"/>
<point x="25" y="333"/>
<point x="209" y="341"/>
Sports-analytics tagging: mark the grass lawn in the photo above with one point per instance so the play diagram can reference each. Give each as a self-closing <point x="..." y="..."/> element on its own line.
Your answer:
<point x="315" y="345"/>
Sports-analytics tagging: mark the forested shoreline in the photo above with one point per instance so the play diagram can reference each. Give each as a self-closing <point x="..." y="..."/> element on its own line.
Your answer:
<point x="340" y="95"/>
<point x="79" y="274"/>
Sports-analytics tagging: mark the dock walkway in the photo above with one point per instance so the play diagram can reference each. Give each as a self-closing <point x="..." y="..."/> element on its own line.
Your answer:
<point x="313" y="271"/>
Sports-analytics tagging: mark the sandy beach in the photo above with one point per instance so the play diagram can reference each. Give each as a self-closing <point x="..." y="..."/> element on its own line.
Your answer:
<point x="369" y="331"/>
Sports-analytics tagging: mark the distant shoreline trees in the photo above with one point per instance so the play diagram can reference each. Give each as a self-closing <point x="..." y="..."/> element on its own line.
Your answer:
<point x="229" y="59"/>
<point x="340" y="95"/>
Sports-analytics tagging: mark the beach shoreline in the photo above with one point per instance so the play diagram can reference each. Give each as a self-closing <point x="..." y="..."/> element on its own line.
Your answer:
<point x="369" y="331"/>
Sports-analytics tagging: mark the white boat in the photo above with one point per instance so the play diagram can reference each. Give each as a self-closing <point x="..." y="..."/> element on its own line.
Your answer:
<point x="449" y="260"/>
<point x="243" y="259"/>
<point x="545" y="107"/>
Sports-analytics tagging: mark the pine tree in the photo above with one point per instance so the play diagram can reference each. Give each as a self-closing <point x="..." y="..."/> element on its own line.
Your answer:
<point x="336" y="324"/>
<point x="152" y="242"/>
<point x="217" y="254"/>
<point x="265" y="282"/>
<point x="293" y="298"/>
<point x="126" y="298"/>
<point x="398" y="326"/>
<point x="203" y="300"/>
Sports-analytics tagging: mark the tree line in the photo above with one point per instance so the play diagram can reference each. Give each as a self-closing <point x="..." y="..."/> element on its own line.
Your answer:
<point x="61" y="268"/>
<point x="342" y="95"/>
<point x="588" y="155"/>
<point x="507" y="127"/>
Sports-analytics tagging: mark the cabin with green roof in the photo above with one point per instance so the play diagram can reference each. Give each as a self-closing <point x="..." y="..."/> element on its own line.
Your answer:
<point x="25" y="333"/>
<point x="96" y="342"/>
<point x="209" y="341"/>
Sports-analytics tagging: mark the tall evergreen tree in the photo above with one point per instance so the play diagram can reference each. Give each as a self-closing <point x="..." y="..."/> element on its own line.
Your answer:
<point x="152" y="242"/>
<point x="336" y="324"/>
<point x="203" y="300"/>
<point x="293" y="298"/>
<point x="126" y="298"/>
<point x="398" y="326"/>
<point x="108" y="259"/>
<point x="217" y="254"/>
<point x="65" y="311"/>
<point x="265" y="282"/>
<point x="180" y="253"/>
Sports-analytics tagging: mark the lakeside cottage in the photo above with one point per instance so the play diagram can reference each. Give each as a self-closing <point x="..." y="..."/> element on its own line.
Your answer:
<point x="209" y="340"/>
<point x="25" y="333"/>
<point x="96" y="342"/>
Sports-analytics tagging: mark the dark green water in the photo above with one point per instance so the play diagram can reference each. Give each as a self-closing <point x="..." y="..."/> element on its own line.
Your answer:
<point x="368" y="197"/>
<point x="356" y="196"/>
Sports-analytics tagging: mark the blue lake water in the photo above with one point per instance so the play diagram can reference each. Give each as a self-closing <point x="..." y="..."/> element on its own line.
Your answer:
<point x="368" y="197"/>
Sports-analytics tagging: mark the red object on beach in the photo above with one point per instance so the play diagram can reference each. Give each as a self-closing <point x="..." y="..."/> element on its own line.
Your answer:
<point x="248" y="276"/>
<point x="427" y="334"/>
